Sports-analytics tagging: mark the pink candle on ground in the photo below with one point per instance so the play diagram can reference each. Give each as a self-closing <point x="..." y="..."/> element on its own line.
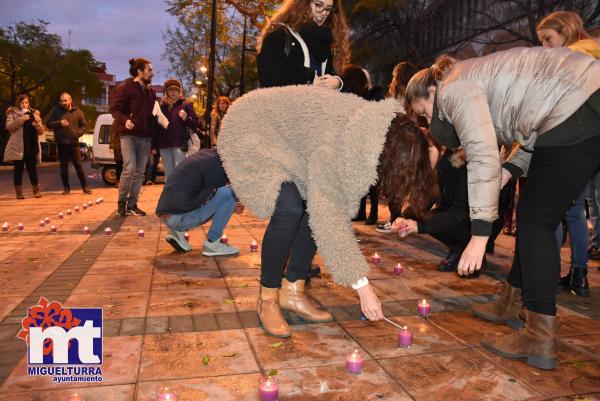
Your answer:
<point x="61" y="215"/>
<point x="186" y="236"/>
<point x="405" y="337"/>
<point x="375" y="258"/>
<point x="84" y="206"/>
<point x="53" y="229"/>
<point x="166" y="394"/>
<point x="399" y="269"/>
<point x="268" y="388"/>
<point x="254" y="246"/>
<point x="424" y="308"/>
<point x="141" y="233"/>
<point x="354" y="362"/>
<point x="107" y="231"/>
<point x="90" y="203"/>
<point x="76" y="208"/>
<point x="75" y="397"/>
<point x="224" y="239"/>
<point x="5" y="226"/>
<point x="21" y="227"/>
<point x="69" y="212"/>
<point x="47" y="220"/>
<point x="86" y="230"/>
<point x="42" y="223"/>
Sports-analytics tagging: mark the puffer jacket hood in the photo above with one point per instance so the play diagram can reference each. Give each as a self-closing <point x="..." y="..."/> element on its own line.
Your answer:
<point x="327" y="143"/>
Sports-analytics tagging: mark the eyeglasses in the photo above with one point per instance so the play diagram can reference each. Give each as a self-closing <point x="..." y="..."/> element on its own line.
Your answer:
<point x="320" y="7"/>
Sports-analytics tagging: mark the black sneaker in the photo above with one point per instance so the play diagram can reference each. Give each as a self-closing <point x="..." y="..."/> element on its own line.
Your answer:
<point x="122" y="209"/>
<point x="135" y="211"/>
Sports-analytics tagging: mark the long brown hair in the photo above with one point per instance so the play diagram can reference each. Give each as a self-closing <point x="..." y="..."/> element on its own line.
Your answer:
<point x="566" y="23"/>
<point x="296" y="13"/>
<point x="405" y="173"/>
<point x="403" y="71"/>
<point x="216" y="111"/>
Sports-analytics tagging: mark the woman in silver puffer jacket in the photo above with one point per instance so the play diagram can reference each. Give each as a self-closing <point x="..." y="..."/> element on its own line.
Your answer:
<point x="548" y="101"/>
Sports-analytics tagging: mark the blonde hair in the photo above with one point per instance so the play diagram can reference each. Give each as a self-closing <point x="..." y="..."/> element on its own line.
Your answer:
<point x="419" y="84"/>
<point x="566" y="23"/>
<point x="296" y="13"/>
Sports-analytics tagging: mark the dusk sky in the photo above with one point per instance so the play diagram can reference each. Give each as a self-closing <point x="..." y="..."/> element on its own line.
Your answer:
<point x="114" y="31"/>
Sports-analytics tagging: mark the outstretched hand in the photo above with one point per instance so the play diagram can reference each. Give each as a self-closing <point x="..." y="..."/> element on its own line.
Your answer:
<point x="472" y="257"/>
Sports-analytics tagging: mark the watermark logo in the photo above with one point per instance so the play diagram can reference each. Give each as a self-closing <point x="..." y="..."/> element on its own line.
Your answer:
<point x="65" y="343"/>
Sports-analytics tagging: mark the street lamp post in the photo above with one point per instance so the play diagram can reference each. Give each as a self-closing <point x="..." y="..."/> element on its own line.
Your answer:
<point x="211" y="62"/>
<point x="243" y="64"/>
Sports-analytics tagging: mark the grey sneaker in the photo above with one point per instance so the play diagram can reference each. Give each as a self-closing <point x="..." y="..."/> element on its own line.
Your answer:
<point x="218" y="248"/>
<point x="178" y="241"/>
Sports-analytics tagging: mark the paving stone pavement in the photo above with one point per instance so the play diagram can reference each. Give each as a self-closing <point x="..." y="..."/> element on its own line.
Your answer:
<point x="189" y="322"/>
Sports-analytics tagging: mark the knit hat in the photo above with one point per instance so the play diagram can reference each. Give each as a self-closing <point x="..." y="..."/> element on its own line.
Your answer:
<point x="172" y="82"/>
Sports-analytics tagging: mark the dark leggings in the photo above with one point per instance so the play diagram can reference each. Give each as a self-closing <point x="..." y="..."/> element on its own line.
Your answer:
<point x="29" y="162"/>
<point x="373" y="197"/>
<point x="556" y="177"/>
<point x="70" y="153"/>
<point x="287" y="236"/>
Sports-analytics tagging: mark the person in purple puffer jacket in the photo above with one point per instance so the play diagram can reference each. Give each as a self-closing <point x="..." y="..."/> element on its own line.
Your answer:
<point x="181" y="117"/>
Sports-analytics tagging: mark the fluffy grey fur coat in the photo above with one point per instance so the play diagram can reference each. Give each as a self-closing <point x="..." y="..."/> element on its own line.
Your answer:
<point x="327" y="143"/>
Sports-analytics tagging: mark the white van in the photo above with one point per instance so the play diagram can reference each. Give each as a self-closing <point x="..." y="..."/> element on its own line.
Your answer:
<point x="103" y="157"/>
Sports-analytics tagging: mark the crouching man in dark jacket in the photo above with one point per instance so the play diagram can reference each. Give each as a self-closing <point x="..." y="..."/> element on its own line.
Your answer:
<point x="196" y="192"/>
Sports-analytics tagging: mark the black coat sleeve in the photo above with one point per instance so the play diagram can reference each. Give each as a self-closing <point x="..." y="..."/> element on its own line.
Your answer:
<point x="275" y="68"/>
<point x="457" y="213"/>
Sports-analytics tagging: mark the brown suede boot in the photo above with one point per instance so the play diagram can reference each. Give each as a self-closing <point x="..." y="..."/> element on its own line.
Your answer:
<point x="269" y="313"/>
<point x="36" y="191"/>
<point x="504" y="309"/>
<point x="536" y="341"/>
<point x="293" y="298"/>
<point x="19" y="191"/>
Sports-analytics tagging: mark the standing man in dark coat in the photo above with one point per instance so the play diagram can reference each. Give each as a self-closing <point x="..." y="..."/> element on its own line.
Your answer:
<point x="68" y="123"/>
<point x="132" y="111"/>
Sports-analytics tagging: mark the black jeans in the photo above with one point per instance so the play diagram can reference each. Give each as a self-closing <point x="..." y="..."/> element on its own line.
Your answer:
<point x="556" y="177"/>
<point x="374" y="198"/>
<point x="70" y="153"/>
<point x="287" y="236"/>
<point x="29" y="161"/>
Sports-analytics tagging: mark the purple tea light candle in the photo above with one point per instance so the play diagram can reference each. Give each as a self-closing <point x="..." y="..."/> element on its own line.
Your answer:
<point x="424" y="308"/>
<point x="186" y="236"/>
<point x="61" y="215"/>
<point x="253" y="246"/>
<point x="53" y="229"/>
<point x="399" y="269"/>
<point x="268" y="388"/>
<point x="5" y="226"/>
<point x="405" y="337"/>
<point x="76" y="208"/>
<point x="141" y="234"/>
<point x="42" y="223"/>
<point x="375" y="258"/>
<point x="166" y="394"/>
<point x="90" y="203"/>
<point x="86" y="230"/>
<point x="69" y="212"/>
<point x="21" y="227"/>
<point x="354" y="362"/>
<point x="107" y="231"/>
<point x="84" y="206"/>
<point x="47" y="220"/>
<point x="224" y="239"/>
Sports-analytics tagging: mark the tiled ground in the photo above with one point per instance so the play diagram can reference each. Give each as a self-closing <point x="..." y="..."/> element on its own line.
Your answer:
<point x="189" y="322"/>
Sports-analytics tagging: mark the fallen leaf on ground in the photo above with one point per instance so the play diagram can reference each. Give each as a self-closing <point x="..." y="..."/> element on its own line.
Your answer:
<point x="206" y="360"/>
<point x="230" y="355"/>
<point x="32" y="259"/>
<point x="228" y="301"/>
<point x="276" y="345"/>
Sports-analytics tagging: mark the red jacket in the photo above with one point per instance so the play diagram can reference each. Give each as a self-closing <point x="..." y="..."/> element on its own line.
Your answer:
<point x="132" y="102"/>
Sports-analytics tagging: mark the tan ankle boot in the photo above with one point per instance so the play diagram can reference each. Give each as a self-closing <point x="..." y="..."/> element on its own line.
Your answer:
<point x="269" y="313"/>
<point x="504" y="309"/>
<point x="536" y="341"/>
<point x="36" y="191"/>
<point x="293" y="298"/>
<point x="19" y="191"/>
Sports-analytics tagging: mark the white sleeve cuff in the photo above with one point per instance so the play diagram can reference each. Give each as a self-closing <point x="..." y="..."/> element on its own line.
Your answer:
<point x="360" y="283"/>
<point x="341" y="83"/>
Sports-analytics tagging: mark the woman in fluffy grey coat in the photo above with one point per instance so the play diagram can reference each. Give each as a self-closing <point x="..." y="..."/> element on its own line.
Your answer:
<point x="548" y="100"/>
<point x="325" y="148"/>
